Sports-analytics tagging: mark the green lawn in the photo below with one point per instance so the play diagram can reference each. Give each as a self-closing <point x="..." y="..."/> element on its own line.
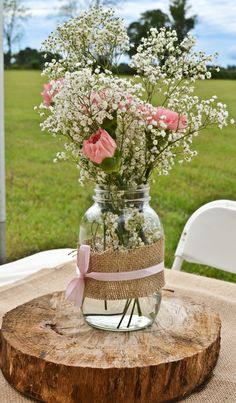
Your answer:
<point x="45" y="201"/>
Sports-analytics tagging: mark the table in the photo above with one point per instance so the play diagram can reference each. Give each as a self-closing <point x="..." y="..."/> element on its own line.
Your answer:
<point x="219" y="295"/>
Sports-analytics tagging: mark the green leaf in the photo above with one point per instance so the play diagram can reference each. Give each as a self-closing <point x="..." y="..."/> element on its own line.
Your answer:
<point x="110" y="125"/>
<point x="110" y="165"/>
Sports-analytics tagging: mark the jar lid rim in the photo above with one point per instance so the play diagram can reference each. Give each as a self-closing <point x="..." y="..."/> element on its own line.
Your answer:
<point x="125" y="189"/>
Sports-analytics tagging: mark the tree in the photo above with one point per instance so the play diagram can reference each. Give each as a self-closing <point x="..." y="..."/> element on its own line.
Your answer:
<point x="32" y="58"/>
<point x="138" y="29"/>
<point x="14" y="15"/>
<point x="179" y="20"/>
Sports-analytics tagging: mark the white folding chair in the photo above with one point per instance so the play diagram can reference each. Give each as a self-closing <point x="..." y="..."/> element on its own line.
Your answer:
<point x="209" y="237"/>
<point x="11" y="272"/>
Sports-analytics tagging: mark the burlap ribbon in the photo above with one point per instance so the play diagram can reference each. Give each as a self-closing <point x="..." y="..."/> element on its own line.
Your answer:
<point x="111" y="261"/>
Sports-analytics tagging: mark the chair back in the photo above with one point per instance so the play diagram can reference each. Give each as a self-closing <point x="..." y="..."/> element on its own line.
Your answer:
<point x="209" y="237"/>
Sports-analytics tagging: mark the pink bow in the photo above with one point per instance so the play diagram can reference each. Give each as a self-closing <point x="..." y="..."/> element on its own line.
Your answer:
<point x="75" y="289"/>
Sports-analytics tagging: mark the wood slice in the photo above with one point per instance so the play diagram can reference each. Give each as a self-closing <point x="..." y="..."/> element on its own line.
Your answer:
<point x="49" y="353"/>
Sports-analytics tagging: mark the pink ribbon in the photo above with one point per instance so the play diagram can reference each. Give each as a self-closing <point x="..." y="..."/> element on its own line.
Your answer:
<point x="75" y="289"/>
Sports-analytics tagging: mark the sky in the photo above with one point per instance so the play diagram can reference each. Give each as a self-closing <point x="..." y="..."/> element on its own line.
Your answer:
<point x="215" y="30"/>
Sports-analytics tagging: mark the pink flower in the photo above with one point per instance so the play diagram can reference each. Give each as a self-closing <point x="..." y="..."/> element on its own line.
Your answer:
<point x="172" y="120"/>
<point x="147" y="111"/>
<point x="48" y="92"/>
<point x="99" y="146"/>
<point x="126" y="103"/>
<point x="97" y="97"/>
<point x="94" y="98"/>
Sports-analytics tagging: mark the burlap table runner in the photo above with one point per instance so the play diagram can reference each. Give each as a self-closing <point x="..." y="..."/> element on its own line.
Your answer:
<point x="219" y="295"/>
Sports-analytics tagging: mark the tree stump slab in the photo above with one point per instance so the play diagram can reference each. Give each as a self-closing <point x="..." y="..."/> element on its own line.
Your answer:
<point x="49" y="353"/>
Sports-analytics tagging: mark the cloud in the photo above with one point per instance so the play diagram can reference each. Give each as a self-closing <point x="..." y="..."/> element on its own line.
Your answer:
<point x="131" y="10"/>
<point x="42" y="8"/>
<point x="219" y="14"/>
<point x="216" y="28"/>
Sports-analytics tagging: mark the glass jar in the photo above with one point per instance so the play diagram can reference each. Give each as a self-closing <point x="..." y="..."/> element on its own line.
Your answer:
<point x="119" y="221"/>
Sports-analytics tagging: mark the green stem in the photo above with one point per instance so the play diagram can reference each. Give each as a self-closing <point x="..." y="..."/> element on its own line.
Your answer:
<point x="132" y="312"/>
<point x="139" y="307"/>
<point x="128" y="302"/>
<point x="104" y="235"/>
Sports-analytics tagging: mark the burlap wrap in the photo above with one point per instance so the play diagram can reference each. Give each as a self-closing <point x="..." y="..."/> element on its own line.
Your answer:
<point x="112" y="262"/>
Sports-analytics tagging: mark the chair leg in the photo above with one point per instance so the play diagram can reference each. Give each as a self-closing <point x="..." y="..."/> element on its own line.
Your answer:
<point x="177" y="263"/>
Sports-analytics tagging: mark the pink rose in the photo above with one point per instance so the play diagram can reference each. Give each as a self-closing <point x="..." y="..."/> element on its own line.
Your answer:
<point x="172" y="120"/>
<point x="48" y="92"/>
<point x="99" y="146"/>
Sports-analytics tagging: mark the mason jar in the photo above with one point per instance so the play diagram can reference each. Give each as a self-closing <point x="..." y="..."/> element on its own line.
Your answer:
<point x="122" y="221"/>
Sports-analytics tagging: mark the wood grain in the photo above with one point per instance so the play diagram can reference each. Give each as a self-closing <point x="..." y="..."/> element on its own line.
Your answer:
<point x="49" y="353"/>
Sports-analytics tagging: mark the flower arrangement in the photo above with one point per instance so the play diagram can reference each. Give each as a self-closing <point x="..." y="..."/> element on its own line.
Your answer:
<point x="121" y="132"/>
<point x="113" y="132"/>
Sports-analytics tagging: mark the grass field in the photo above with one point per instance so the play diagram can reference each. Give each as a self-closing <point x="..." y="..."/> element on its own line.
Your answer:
<point x="45" y="201"/>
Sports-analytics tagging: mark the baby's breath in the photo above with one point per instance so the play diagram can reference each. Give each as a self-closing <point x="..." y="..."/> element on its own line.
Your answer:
<point x="92" y="97"/>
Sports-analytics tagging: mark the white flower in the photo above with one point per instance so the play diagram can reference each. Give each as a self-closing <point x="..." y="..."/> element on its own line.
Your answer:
<point x="92" y="97"/>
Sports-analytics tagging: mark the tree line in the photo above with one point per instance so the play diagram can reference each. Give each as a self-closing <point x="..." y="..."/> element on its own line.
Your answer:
<point x="16" y="14"/>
